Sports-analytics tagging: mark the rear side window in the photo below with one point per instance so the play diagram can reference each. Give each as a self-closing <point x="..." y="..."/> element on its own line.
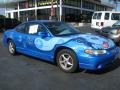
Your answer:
<point x="34" y="28"/>
<point x="106" y="16"/>
<point x="22" y="28"/>
<point x="97" y="16"/>
<point x="115" y="16"/>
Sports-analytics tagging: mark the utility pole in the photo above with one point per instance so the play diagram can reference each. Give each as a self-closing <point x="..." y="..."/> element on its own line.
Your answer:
<point x="52" y="12"/>
<point x="5" y="6"/>
<point x="35" y="9"/>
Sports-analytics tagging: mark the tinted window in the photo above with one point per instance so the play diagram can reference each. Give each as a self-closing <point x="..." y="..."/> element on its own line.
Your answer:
<point x="61" y="29"/>
<point x="95" y="16"/>
<point x="107" y="16"/>
<point x="22" y="28"/>
<point x="34" y="28"/>
<point x="99" y="15"/>
<point x="115" y="16"/>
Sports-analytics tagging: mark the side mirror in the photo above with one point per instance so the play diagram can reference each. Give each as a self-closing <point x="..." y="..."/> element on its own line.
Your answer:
<point x="43" y="34"/>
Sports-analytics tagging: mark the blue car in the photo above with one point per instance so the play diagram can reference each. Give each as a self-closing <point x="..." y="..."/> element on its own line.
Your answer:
<point x="58" y="42"/>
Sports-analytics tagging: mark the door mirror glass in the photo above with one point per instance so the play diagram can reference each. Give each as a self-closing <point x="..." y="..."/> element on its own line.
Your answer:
<point x="43" y="34"/>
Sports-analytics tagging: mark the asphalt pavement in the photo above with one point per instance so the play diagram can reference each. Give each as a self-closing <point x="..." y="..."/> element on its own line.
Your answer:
<point x="22" y="72"/>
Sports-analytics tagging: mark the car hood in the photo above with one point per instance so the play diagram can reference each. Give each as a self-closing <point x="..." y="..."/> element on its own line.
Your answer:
<point x="79" y="40"/>
<point x="93" y="41"/>
<point x="109" y="29"/>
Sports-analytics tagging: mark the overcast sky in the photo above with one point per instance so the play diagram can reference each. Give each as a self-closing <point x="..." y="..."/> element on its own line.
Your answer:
<point x="7" y="1"/>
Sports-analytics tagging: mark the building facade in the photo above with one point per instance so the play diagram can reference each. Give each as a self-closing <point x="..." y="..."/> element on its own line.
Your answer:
<point x="65" y="10"/>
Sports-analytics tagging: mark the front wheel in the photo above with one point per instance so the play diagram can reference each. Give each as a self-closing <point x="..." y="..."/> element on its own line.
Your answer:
<point x="11" y="47"/>
<point x="67" y="61"/>
<point x="119" y="43"/>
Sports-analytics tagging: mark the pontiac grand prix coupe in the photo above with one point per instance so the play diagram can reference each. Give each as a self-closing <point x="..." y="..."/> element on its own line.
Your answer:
<point x="58" y="42"/>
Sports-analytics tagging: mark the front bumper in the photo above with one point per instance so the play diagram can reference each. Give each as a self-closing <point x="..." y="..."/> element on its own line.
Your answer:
<point x="92" y="62"/>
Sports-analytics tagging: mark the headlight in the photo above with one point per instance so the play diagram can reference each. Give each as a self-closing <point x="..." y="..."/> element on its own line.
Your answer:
<point x="115" y="31"/>
<point x="95" y="52"/>
<point x="118" y="31"/>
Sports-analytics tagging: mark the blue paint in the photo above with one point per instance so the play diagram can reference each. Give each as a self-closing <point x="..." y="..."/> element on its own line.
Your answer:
<point x="44" y="48"/>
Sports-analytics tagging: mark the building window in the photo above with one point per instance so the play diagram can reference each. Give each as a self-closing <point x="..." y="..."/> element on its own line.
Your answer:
<point x="71" y="15"/>
<point x="23" y="4"/>
<point x="16" y="15"/>
<point x="76" y="3"/>
<point x="88" y="5"/>
<point x="31" y="3"/>
<point x="27" y="15"/>
<point x="43" y="14"/>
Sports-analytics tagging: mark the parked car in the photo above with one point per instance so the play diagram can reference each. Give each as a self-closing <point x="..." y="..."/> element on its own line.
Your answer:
<point x="101" y="19"/>
<point x="112" y="32"/>
<point x="58" y="42"/>
<point x="8" y="23"/>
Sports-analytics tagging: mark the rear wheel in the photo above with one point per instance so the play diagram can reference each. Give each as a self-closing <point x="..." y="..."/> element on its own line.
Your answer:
<point x="11" y="47"/>
<point x="66" y="60"/>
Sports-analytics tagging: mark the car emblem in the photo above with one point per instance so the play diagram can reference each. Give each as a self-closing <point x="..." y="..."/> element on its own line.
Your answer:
<point x="105" y="44"/>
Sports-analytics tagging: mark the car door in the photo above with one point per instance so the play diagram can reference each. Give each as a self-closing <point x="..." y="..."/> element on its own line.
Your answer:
<point x="33" y="30"/>
<point x="20" y="36"/>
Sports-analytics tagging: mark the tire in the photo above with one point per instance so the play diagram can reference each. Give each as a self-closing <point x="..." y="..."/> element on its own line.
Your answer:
<point x="119" y="43"/>
<point x="11" y="47"/>
<point x="67" y="61"/>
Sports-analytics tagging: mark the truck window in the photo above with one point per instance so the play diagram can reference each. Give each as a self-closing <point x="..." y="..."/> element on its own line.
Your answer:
<point x="95" y="16"/>
<point x="115" y="16"/>
<point x="99" y="15"/>
<point x="106" y="16"/>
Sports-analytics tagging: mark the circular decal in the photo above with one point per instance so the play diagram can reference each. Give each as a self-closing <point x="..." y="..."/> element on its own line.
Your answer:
<point x="38" y="43"/>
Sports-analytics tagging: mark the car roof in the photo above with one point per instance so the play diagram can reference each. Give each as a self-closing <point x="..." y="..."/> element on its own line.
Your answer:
<point x="43" y="21"/>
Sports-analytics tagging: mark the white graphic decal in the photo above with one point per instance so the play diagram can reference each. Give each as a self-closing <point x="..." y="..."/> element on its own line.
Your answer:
<point x="48" y="45"/>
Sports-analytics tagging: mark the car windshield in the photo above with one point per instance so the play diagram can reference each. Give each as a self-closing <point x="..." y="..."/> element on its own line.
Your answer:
<point x="117" y="24"/>
<point x="61" y="29"/>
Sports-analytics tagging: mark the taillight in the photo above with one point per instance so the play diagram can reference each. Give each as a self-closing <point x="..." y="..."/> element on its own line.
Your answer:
<point x="102" y="23"/>
<point x="97" y="23"/>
